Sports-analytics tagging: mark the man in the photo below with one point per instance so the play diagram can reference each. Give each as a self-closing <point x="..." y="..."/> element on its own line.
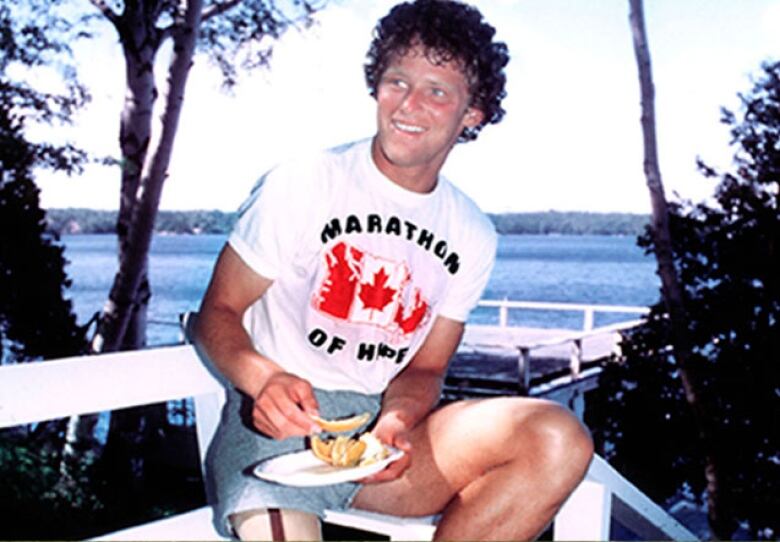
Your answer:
<point x="344" y="289"/>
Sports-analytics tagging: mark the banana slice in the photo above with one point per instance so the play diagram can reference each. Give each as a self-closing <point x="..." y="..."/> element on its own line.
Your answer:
<point x="343" y="424"/>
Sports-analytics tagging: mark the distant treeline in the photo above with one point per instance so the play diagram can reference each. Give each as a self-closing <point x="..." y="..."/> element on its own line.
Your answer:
<point x="571" y="223"/>
<point x="71" y="221"/>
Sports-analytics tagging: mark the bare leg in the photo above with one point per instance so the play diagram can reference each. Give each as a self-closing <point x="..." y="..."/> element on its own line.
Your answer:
<point x="256" y="525"/>
<point x="495" y="468"/>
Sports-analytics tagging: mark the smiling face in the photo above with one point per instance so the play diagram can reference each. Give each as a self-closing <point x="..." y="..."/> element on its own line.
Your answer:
<point x="422" y="108"/>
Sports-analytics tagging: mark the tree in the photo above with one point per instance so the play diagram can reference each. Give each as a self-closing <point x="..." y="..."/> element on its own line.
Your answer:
<point x="227" y="31"/>
<point x="232" y="33"/>
<point x="672" y="295"/>
<point x="660" y="232"/>
<point x="726" y="254"/>
<point x="36" y="321"/>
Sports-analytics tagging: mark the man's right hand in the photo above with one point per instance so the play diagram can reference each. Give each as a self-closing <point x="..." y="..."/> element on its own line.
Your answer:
<point x="284" y="406"/>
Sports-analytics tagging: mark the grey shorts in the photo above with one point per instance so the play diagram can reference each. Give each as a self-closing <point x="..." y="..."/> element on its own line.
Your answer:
<point x="237" y="448"/>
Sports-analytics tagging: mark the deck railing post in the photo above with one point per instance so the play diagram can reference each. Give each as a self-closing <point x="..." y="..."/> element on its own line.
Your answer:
<point x="586" y="513"/>
<point x="575" y="360"/>
<point x="577" y="405"/>
<point x="503" y="314"/>
<point x="587" y="319"/>
<point x="524" y="367"/>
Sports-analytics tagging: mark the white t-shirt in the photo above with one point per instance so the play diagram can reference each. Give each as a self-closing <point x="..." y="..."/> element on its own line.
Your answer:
<point x="361" y="266"/>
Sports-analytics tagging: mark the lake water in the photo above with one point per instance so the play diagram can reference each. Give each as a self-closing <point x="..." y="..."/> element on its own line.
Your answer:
<point x="577" y="269"/>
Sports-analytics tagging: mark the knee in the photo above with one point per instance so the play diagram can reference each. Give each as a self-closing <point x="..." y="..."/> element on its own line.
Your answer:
<point x="552" y="436"/>
<point x="562" y="440"/>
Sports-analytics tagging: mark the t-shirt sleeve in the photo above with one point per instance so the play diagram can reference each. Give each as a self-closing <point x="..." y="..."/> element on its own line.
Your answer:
<point x="271" y="220"/>
<point x="471" y="278"/>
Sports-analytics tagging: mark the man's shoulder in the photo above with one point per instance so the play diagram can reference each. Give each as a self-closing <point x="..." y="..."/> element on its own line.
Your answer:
<point x="318" y="160"/>
<point x="348" y="149"/>
<point x="468" y="211"/>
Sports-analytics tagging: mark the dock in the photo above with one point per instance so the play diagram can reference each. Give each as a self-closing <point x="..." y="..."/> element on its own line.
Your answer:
<point x="559" y="364"/>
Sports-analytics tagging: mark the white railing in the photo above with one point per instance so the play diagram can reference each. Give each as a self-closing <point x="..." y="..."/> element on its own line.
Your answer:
<point x="588" y="311"/>
<point x="34" y="392"/>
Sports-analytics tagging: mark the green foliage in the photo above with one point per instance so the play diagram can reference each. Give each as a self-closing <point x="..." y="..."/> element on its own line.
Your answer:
<point x="38" y="506"/>
<point x="33" y="36"/>
<point x="35" y="321"/>
<point x="195" y="222"/>
<point x="70" y="221"/>
<point x="728" y="258"/>
<point x="645" y="426"/>
<point x="224" y="39"/>
<point x="30" y="473"/>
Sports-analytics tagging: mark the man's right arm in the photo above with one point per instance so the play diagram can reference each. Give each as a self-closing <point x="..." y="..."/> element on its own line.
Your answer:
<point x="280" y="398"/>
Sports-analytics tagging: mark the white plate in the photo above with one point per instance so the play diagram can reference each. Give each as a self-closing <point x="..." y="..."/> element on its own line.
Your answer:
<point x="304" y="469"/>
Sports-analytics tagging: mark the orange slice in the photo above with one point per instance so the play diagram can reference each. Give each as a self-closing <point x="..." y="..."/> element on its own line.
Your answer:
<point x="343" y="424"/>
<point x="321" y="448"/>
<point x="349" y="454"/>
<point x="340" y="452"/>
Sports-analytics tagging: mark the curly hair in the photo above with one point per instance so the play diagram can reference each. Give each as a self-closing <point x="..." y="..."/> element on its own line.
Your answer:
<point x="449" y="31"/>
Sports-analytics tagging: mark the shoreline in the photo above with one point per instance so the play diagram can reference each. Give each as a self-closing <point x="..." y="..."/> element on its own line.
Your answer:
<point x="91" y="221"/>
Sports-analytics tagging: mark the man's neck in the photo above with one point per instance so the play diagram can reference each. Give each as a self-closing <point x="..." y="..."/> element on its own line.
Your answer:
<point x="422" y="179"/>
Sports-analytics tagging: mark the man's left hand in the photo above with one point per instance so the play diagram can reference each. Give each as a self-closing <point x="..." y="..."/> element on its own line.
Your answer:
<point x="392" y="431"/>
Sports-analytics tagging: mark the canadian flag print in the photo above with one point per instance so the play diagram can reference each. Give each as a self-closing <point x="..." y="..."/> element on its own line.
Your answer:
<point x="363" y="288"/>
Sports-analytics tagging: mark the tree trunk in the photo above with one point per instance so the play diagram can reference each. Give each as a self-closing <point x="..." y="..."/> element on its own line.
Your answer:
<point x="672" y="293"/>
<point x="133" y="433"/>
<point x="136" y="433"/>
<point x="140" y="41"/>
<point x="125" y="308"/>
<point x="142" y="209"/>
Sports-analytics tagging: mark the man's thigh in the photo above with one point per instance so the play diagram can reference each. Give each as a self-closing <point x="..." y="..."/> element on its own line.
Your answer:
<point x="453" y="446"/>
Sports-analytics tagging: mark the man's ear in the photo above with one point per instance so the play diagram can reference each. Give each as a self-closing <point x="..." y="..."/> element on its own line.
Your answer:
<point x="473" y="117"/>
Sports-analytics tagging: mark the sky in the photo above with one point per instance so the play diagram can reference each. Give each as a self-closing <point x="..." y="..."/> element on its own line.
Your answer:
<point x="571" y="139"/>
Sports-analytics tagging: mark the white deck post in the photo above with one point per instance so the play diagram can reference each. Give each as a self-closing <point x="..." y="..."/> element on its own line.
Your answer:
<point x="503" y="314"/>
<point x="587" y="321"/>
<point x="207" y="412"/>
<point x="586" y="513"/>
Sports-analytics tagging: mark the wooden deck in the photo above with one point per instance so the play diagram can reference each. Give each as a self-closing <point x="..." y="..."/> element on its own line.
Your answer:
<point x="489" y="361"/>
<point x="485" y="338"/>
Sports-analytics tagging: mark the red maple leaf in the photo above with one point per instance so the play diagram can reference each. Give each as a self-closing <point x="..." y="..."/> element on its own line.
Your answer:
<point x="338" y="288"/>
<point x="376" y="295"/>
<point x="411" y="322"/>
